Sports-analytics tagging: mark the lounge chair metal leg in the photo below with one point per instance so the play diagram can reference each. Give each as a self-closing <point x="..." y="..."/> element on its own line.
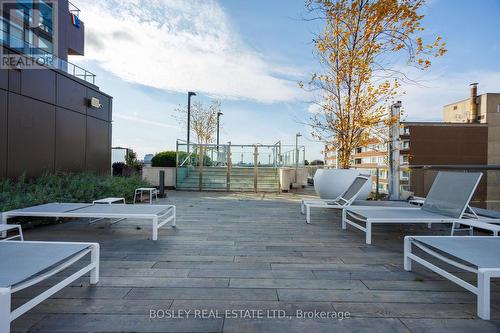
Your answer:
<point x="308" y="214"/>
<point x="483" y="295"/>
<point x="94" y="259"/>
<point x="368" y="233"/>
<point x="5" y="308"/>
<point x="3" y="234"/>
<point x="155" y="228"/>
<point x="344" y="224"/>
<point x="302" y="208"/>
<point x="20" y="233"/>
<point x="174" y="221"/>
<point x="453" y="228"/>
<point x="407" y="251"/>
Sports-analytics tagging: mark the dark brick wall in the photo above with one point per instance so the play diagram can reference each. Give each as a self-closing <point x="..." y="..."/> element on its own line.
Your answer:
<point x="46" y="124"/>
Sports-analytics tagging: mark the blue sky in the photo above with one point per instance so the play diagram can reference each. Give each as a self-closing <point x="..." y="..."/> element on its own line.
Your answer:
<point x="250" y="54"/>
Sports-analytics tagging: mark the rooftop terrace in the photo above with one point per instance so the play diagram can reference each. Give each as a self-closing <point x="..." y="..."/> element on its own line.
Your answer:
<point x="235" y="251"/>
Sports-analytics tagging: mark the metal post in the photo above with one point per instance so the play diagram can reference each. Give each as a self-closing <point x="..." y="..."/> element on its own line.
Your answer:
<point x="228" y="161"/>
<point x="394" y="154"/>
<point x="297" y="159"/>
<point x="377" y="193"/>
<point x="201" y="162"/>
<point x="162" y="184"/>
<point x="190" y="94"/>
<point x="176" y="162"/>
<point x="255" y="167"/>
<point x="218" y="128"/>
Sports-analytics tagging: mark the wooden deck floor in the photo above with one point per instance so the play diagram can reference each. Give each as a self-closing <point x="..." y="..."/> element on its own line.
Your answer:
<point x="251" y="252"/>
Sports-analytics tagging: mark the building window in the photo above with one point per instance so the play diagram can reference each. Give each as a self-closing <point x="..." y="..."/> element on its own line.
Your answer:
<point x="357" y="161"/>
<point x="404" y="159"/>
<point x="405" y="131"/>
<point x="455" y="107"/>
<point x="359" y="150"/>
<point x="405" y="175"/>
<point x="406" y="144"/>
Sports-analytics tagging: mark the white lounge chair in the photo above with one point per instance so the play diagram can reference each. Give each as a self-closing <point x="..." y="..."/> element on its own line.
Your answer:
<point x="477" y="255"/>
<point x="4" y="228"/>
<point x="344" y="200"/>
<point x="446" y="202"/>
<point x="24" y="264"/>
<point x="159" y="215"/>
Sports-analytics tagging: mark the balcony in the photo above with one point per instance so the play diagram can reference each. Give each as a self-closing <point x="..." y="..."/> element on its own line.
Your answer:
<point x="50" y="61"/>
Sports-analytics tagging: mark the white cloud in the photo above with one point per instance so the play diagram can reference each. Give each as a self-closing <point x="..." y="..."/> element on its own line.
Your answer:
<point x="314" y="108"/>
<point x="425" y="102"/>
<point x="137" y="119"/>
<point x="181" y="45"/>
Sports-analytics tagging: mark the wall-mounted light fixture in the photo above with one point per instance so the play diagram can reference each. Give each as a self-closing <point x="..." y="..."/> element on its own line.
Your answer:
<point x="95" y="103"/>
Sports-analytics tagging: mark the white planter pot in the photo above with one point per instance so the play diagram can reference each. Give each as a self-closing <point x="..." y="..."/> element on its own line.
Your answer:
<point x="330" y="183"/>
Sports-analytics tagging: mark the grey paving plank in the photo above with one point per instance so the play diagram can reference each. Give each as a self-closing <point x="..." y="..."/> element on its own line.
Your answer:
<point x="211" y="265"/>
<point x="288" y="259"/>
<point x="173" y="258"/>
<point x="68" y="323"/>
<point x="290" y="308"/>
<point x="451" y="325"/>
<point x="149" y="272"/>
<point x="375" y="325"/>
<point x="331" y="266"/>
<point x="203" y="293"/>
<point x="411" y="285"/>
<point x="123" y="281"/>
<point x="383" y="275"/>
<point x="251" y="273"/>
<point x="96" y="306"/>
<point x="407" y="310"/>
<point x="26" y="321"/>
<point x="296" y="283"/>
<point x="77" y="292"/>
<point x="375" y="296"/>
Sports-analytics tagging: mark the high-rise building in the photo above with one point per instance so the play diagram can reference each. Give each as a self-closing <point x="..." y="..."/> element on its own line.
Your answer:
<point x="53" y="117"/>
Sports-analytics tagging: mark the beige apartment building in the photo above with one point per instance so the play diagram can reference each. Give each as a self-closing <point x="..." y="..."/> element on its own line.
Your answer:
<point x="475" y="109"/>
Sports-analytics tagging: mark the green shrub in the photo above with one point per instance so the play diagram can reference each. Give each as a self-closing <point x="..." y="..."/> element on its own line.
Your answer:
<point x="166" y="159"/>
<point x="62" y="187"/>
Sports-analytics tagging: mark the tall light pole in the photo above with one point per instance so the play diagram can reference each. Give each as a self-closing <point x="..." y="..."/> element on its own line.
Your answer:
<point x="190" y="94"/>
<point x="218" y="127"/>
<point x="297" y="159"/>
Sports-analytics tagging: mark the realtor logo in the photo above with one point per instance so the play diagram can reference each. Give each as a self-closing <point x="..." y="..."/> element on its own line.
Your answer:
<point x="29" y="34"/>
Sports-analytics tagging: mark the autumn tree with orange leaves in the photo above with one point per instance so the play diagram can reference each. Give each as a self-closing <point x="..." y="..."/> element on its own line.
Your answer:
<point x="364" y="48"/>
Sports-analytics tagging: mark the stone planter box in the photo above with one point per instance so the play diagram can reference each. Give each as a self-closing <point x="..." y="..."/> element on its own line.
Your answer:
<point x="152" y="175"/>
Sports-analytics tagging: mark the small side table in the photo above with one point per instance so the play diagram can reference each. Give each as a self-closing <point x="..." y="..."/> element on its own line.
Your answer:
<point x="151" y="190"/>
<point x="107" y="201"/>
<point x="7" y="227"/>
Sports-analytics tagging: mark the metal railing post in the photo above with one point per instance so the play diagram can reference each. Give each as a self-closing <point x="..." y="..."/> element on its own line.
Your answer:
<point x="201" y="154"/>
<point x="228" y="166"/>
<point x="176" y="162"/>
<point x="255" y="167"/>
